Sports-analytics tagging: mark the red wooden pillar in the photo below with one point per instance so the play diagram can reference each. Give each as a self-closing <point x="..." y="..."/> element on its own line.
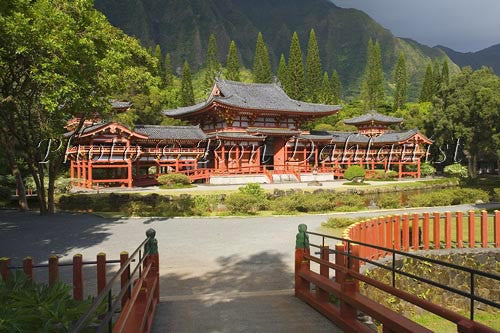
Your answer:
<point x="324" y="270"/>
<point x="447" y="230"/>
<point x="460" y="230"/>
<point x="355" y="262"/>
<point x="347" y="286"/>
<point x="300" y="284"/>
<point x="78" y="174"/>
<point x="90" y="181"/>
<point x="397" y="232"/>
<point x="339" y="260"/>
<point x="425" y="228"/>
<point x="77" y="277"/>
<point x="472" y="229"/>
<point x="129" y="173"/>
<point x="4" y="268"/>
<point x="497" y="228"/>
<point x="436" y="230"/>
<point x="125" y="277"/>
<point x="53" y="270"/>
<point x="415" y="231"/>
<point x="406" y="232"/>
<point x="72" y="171"/>
<point x="316" y="153"/>
<point x="484" y="229"/>
<point x="101" y="272"/>
<point x="372" y="238"/>
<point x="84" y="174"/>
<point x="28" y="267"/>
<point x="400" y="169"/>
<point x="418" y="168"/>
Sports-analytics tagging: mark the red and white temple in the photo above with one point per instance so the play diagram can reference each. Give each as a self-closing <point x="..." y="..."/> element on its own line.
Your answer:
<point x="242" y="133"/>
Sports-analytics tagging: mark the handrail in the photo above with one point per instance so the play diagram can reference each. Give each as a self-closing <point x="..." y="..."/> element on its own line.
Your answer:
<point x="150" y="248"/>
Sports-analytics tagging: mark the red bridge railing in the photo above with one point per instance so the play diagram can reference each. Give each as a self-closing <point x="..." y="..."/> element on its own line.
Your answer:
<point x="345" y="287"/>
<point x="139" y="287"/>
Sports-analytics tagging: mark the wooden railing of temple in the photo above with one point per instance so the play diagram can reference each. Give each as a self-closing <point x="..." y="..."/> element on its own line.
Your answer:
<point x="433" y="231"/>
<point x="349" y="302"/>
<point x="138" y="293"/>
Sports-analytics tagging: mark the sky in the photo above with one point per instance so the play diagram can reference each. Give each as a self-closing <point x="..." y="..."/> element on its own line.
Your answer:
<point x="463" y="25"/>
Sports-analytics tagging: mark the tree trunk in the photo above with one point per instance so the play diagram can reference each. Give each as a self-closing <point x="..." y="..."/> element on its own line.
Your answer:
<point x="51" y="189"/>
<point x="22" y="200"/>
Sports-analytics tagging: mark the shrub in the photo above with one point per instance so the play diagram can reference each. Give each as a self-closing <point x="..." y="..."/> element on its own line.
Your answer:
<point x="354" y="171"/>
<point x="27" y="306"/>
<point x="256" y="191"/>
<point x="496" y="194"/>
<point x="391" y="174"/>
<point x="456" y="170"/>
<point x="173" y="179"/>
<point x="389" y="200"/>
<point x="285" y="205"/>
<point x="241" y="203"/>
<point x="448" y="197"/>
<point x="136" y="208"/>
<point x="468" y="195"/>
<point x="5" y="193"/>
<point x="426" y="169"/>
<point x="350" y="202"/>
<point x="341" y="222"/>
<point x="205" y="204"/>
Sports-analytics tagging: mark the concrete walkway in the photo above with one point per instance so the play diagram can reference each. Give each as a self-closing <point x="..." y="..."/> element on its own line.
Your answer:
<point x="217" y="275"/>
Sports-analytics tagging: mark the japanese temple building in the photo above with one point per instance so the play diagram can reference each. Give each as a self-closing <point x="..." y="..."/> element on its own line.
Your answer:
<point x="242" y="133"/>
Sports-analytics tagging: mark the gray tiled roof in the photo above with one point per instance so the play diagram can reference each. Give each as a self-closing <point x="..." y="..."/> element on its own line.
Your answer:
<point x="273" y="130"/>
<point x="391" y="137"/>
<point x="257" y="96"/>
<point x="373" y="116"/>
<point x="236" y="135"/>
<point x="120" y="104"/>
<point x="171" y="132"/>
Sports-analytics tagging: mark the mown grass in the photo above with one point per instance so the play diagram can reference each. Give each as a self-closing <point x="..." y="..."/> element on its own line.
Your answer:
<point x="440" y="325"/>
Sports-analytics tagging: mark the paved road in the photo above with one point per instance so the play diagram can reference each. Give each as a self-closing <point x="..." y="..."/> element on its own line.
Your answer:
<point x="217" y="275"/>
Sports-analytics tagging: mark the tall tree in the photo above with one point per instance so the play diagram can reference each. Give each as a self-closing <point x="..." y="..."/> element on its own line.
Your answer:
<point x="401" y="81"/>
<point x="436" y="77"/>
<point x="186" y="92"/>
<point x="295" y="87"/>
<point x="168" y="77"/>
<point x="67" y="60"/>
<point x="336" y="88"/>
<point x="373" y="84"/>
<point x="261" y="63"/>
<point x="233" y="64"/>
<point x="445" y="73"/>
<point x="212" y="64"/>
<point x="427" y="91"/>
<point x="313" y="69"/>
<point x="326" y="93"/>
<point x="282" y="71"/>
<point x="157" y="54"/>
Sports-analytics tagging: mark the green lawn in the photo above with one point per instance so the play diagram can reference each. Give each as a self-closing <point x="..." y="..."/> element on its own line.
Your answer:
<point x="440" y="325"/>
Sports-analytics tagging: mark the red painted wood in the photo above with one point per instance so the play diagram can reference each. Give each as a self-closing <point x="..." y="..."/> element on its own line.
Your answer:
<point x="28" y="267"/>
<point x="415" y="231"/>
<point x="447" y="230"/>
<point x="425" y="231"/>
<point x="4" y="268"/>
<point x="101" y="272"/>
<point x="53" y="270"/>
<point x="324" y="270"/>
<point x="340" y="261"/>
<point x="460" y="230"/>
<point x="436" y="226"/>
<point x="472" y="230"/>
<point x="497" y="228"/>
<point x="388" y="231"/>
<point x="381" y="235"/>
<point x="125" y="276"/>
<point x="484" y="229"/>
<point x="397" y="232"/>
<point x="406" y="232"/>
<point x="78" y="277"/>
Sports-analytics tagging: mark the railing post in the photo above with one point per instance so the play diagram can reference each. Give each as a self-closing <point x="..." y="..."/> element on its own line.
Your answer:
<point x="324" y="270"/>
<point x="347" y="286"/>
<point x="339" y="260"/>
<point x="301" y="248"/>
<point x="373" y="237"/>
<point x="388" y="232"/>
<point x="101" y="272"/>
<point x="125" y="277"/>
<point x="151" y="251"/>
<point x="406" y="232"/>
<point x="497" y="228"/>
<point x="364" y="251"/>
<point x="53" y="270"/>
<point x="484" y="229"/>
<point x="415" y="231"/>
<point x="436" y="232"/>
<point x="4" y="268"/>
<point x="28" y="267"/>
<point x="355" y="263"/>
<point x="472" y="229"/>
<point x="381" y="236"/>
<point x="460" y="230"/>
<point x="447" y="230"/>
<point x="77" y="277"/>
<point x="397" y="232"/>
<point x="425" y="226"/>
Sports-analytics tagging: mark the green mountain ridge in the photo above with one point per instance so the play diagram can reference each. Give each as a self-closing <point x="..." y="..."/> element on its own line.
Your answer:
<point x="489" y="57"/>
<point x="182" y="28"/>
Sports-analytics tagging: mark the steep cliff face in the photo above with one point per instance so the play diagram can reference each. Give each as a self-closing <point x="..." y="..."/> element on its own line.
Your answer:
<point x="182" y="27"/>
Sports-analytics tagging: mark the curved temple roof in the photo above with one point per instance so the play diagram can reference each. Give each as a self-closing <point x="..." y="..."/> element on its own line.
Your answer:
<point x="254" y="96"/>
<point x="373" y="117"/>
